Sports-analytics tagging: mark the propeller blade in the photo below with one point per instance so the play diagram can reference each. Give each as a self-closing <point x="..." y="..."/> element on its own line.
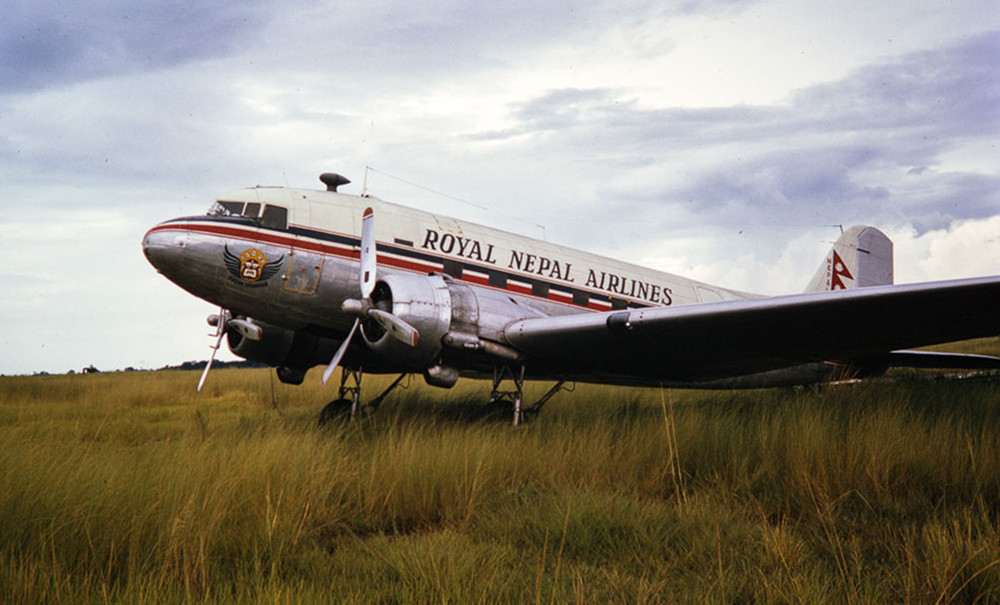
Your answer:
<point x="396" y="326"/>
<point x="219" y="321"/>
<point x="364" y="308"/>
<point x="369" y="256"/>
<point x="339" y="354"/>
<point x="208" y="366"/>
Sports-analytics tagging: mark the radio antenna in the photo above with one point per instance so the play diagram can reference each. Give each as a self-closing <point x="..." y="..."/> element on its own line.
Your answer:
<point x="412" y="184"/>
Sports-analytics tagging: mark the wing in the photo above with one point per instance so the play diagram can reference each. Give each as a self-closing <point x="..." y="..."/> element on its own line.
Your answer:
<point x="725" y="339"/>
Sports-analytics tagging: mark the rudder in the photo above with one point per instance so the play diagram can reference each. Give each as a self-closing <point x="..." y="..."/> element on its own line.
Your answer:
<point x="861" y="257"/>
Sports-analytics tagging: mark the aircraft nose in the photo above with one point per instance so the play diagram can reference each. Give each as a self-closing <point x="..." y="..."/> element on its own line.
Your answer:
<point x="164" y="248"/>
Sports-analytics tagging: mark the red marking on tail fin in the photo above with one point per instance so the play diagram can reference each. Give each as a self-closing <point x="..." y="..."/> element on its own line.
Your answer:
<point x="838" y="272"/>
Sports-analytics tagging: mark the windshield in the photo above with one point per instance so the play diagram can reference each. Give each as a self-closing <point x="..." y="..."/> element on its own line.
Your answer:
<point x="221" y="208"/>
<point x="272" y="216"/>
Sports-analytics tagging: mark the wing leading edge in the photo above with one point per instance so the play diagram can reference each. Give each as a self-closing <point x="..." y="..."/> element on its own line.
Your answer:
<point x="704" y="342"/>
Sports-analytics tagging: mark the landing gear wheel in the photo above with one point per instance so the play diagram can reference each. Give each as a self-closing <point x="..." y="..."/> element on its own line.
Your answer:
<point x="334" y="409"/>
<point x="497" y="411"/>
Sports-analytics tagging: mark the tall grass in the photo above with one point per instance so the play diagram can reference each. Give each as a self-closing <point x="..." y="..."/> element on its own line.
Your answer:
<point x="132" y="488"/>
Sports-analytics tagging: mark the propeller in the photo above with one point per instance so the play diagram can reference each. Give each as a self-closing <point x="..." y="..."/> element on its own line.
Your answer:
<point x="222" y="322"/>
<point x="364" y="308"/>
<point x="219" y="321"/>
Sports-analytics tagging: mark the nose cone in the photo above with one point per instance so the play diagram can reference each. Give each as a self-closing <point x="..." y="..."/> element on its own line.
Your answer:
<point x="164" y="248"/>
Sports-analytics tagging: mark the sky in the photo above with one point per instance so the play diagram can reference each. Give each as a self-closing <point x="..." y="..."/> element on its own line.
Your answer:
<point x="726" y="141"/>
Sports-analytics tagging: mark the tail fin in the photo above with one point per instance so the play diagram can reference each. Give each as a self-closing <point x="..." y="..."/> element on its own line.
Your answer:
<point x="861" y="256"/>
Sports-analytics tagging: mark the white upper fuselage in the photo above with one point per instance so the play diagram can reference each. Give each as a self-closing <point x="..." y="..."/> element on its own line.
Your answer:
<point x="290" y="258"/>
<point x="417" y="241"/>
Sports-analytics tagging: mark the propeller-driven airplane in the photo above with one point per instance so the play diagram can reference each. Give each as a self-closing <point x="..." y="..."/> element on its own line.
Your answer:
<point x="306" y="278"/>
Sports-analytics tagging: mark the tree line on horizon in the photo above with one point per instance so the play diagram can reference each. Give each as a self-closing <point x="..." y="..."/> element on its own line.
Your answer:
<point x="187" y="365"/>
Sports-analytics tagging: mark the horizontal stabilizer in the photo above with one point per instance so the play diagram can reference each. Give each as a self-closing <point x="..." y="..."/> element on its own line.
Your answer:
<point x="941" y="361"/>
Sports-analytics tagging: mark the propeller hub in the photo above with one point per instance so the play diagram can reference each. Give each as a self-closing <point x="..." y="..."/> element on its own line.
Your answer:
<point x="356" y="307"/>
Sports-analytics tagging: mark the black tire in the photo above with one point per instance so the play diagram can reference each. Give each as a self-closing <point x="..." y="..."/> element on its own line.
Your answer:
<point x="335" y="409"/>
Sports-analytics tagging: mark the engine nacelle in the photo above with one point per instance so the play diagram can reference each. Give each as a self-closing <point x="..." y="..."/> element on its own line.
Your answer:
<point x="422" y="301"/>
<point x="283" y="348"/>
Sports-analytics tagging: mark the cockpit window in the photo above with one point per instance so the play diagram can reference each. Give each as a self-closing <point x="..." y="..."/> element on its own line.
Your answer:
<point x="221" y="208"/>
<point x="275" y="217"/>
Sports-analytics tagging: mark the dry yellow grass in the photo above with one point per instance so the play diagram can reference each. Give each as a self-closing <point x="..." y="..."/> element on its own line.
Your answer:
<point x="129" y="487"/>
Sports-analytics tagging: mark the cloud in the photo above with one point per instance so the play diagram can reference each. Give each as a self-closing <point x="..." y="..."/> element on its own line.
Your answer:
<point x="871" y="147"/>
<point x="967" y="249"/>
<point x="57" y="43"/>
<point x="725" y="140"/>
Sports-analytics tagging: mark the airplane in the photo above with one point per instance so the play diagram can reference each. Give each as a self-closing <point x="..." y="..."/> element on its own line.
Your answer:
<point x="306" y="278"/>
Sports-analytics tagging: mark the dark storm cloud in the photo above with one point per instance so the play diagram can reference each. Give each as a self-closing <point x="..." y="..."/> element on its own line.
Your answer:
<point x="872" y="146"/>
<point x="58" y="43"/>
<point x="951" y="91"/>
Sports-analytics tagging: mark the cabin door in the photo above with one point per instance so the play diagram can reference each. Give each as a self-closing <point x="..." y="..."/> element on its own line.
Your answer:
<point x="305" y="266"/>
<point x="304" y="270"/>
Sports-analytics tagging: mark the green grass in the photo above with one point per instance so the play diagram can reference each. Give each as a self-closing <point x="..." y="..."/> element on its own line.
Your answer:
<point x="130" y="487"/>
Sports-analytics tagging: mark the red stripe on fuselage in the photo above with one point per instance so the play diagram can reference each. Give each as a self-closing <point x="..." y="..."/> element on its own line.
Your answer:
<point x="353" y="253"/>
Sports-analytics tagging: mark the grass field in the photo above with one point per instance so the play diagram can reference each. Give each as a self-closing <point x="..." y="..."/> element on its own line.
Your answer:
<point x="130" y="487"/>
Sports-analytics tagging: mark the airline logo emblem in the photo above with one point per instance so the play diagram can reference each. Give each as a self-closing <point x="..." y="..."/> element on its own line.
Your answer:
<point x="251" y="267"/>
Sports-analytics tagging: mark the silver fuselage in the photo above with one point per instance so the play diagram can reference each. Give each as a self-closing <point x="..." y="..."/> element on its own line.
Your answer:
<point x="289" y="258"/>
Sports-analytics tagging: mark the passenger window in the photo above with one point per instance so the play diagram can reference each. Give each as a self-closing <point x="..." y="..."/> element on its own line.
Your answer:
<point x="275" y="217"/>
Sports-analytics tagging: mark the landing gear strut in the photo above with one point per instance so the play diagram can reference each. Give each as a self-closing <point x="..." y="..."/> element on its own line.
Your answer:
<point x="349" y="396"/>
<point x="515" y="396"/>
